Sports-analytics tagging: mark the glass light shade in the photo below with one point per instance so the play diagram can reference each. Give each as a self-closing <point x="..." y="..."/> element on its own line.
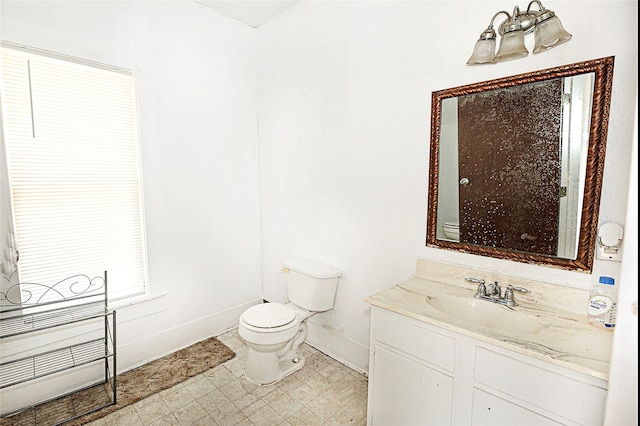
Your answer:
<point x="511" y="46"/>
<point x="483" y="53"/>
<point x="549" y="33"/>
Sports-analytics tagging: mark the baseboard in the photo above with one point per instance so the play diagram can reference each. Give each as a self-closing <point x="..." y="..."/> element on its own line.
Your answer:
<point x="341" y="348"/>
<point x="156" y="346"/>
<point x="353" y="354"/>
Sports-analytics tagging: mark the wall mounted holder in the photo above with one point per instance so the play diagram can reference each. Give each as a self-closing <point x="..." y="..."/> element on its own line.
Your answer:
<point x="609" y="246"/>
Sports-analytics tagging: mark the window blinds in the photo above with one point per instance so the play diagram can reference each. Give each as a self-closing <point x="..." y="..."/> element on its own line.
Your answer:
<point x="71" y="131"/>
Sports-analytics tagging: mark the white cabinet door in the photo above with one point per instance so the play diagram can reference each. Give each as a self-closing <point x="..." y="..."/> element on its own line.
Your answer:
<point x="490" y="410"/>
<point x="561" y="393"/>
<point x="408" y="393"/>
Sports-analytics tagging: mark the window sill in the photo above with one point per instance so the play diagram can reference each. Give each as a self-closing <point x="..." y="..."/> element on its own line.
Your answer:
<point x="129" y="301"/>
<point x="136" y="307"/>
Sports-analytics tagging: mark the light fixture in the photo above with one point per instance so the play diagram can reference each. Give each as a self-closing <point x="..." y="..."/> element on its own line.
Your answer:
<point x="547" y="29"/>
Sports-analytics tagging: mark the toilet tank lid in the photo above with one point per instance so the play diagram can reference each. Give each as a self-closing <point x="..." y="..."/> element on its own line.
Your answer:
<point x="311" y="268"/>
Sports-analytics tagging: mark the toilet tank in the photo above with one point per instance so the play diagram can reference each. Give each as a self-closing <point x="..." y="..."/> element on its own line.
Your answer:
<point x="311" y="285"/>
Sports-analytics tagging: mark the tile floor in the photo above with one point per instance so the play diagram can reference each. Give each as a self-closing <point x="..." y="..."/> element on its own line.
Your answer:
<point x="323" y="392"/>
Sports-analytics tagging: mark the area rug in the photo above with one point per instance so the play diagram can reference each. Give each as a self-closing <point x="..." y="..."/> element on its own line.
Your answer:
<point x="132" y="386"/>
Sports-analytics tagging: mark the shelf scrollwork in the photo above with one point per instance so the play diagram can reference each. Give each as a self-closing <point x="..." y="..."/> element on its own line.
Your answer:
<point x="28" y="294"/>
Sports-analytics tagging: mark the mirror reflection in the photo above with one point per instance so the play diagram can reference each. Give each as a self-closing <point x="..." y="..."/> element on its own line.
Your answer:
<point x="513" y="163"/>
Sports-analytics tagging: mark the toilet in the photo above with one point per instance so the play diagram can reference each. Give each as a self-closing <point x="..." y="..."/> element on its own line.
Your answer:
<point x="451" y="230"/>
<point x="274" y="331"/>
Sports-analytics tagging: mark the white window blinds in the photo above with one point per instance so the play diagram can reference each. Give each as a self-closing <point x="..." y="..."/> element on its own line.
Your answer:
<point x="71" y="130"/>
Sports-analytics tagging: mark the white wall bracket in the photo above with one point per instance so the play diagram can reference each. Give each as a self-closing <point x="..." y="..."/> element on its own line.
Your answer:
<point x="609" y="245"/>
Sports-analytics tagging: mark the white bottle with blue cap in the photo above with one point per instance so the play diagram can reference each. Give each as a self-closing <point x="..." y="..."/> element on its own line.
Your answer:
<point x="602" y="303"/>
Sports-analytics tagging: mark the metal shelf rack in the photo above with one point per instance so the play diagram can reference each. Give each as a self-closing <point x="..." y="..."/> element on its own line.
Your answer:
<point x="36" y="308"/>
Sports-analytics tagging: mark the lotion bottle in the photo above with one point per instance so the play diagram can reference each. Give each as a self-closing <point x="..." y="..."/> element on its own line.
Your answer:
<point x="603" y="303"/>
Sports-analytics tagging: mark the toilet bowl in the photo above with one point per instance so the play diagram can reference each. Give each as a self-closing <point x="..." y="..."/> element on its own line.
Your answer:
<point x="274" y="331"/>
<point x="451" y="230"/>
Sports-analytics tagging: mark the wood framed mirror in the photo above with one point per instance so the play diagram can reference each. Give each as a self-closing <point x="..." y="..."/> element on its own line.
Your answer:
<point x="516" y="165"/>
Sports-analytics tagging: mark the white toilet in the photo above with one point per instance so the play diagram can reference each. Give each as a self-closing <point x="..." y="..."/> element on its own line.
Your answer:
<point x="451" y="230"/>
<point x="274" y="331"/>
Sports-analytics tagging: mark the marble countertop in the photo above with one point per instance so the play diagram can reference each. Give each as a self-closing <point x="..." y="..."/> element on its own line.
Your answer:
<point x="540" y="330"/>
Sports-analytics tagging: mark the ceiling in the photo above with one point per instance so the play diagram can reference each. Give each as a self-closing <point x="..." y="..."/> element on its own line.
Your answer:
<point x="251" y="12"/>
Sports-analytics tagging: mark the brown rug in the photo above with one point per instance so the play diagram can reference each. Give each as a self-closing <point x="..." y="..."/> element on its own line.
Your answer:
<point x="132" y="386"/>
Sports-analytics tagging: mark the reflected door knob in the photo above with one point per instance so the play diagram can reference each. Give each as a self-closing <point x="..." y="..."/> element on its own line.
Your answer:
<point x="464" y="181"/>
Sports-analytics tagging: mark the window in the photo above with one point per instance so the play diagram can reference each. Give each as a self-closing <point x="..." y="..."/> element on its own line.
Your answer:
<point x="73" y="159"/>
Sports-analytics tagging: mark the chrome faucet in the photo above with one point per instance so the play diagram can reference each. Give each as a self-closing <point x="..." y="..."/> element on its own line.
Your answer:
<point x="494" y="290"/>
<point x="493" y="293"/>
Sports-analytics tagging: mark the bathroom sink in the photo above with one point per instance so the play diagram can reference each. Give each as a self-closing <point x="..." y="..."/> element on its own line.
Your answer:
<point x="534" y="327"/>
<point x="556" y="336"/>
<point x="457" y="306"/>
<point x="487" y="315"/>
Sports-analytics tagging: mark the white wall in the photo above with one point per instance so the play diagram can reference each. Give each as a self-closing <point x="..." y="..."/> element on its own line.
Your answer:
<point x="197" y="90"/>
<point x="344" y="106"/>
<point x="622" y="399"/>
<point x="344" y="116"/>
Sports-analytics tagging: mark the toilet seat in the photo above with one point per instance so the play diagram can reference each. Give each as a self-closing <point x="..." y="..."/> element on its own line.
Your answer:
<point x="269" y="317"/>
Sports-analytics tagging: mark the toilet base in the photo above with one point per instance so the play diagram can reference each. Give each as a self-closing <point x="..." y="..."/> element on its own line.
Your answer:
<point x="269" y="369"/>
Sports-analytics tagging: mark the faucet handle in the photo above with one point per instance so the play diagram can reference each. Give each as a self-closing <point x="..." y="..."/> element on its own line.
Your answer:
<point x="519" y="289"/>
<point x="482" y="290"/>
<point x="508" y="295"/>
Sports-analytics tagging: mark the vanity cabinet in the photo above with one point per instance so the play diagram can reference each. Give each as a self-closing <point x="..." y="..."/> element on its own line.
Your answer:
<point x="422" y="374"/>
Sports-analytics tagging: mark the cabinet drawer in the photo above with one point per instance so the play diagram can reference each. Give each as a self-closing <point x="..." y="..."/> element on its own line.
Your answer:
<point x="402" y="334"/>
<point x="491" y="410"/>
<point x="549" y="389"/>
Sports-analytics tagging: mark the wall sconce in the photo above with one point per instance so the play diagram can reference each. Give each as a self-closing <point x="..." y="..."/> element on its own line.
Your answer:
<point x="547" y="28"/>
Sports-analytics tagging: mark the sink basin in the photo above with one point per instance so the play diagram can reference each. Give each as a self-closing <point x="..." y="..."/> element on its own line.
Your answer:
<point x="555" y="336"/>
<point x="481" y="313"/>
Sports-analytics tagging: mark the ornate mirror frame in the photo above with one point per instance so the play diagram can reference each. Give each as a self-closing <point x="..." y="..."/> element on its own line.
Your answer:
<point x="603" y="69"/>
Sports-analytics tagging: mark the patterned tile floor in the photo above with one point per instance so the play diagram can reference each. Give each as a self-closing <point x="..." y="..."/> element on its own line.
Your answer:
<point x="323" y="392"/>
